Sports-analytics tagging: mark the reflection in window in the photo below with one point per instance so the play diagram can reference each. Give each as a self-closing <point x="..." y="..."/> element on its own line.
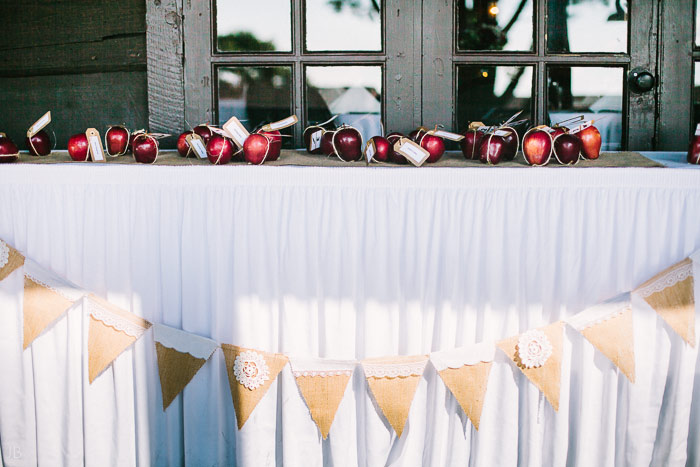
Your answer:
<point x="492" y="94"/>
<point x="594" y="92"/>
<point x="587" y="26"/>
<point x="255" y="95"/>
<point x="354" y="93"/>
<point x="494" y="25"/>
<point x="244" y="26"/>
<point x="337" y="25"/>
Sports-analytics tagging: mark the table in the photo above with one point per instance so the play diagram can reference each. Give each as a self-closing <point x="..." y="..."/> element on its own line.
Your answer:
<point x="342" y="263"/>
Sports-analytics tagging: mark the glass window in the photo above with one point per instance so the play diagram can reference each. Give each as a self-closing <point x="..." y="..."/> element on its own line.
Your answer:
<point x="587" y="26"/>
<point x="343" y="25"/>
<point x="244" y="26"/>
<point x="696" y="96"/>
<point x="495" y="25"/>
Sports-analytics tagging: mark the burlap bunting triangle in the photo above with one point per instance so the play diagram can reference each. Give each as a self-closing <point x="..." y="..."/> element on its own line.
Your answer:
<point x="546" y="377"/>
<point x="671" y="295"/>
<point x="112" y="330"/>
<point x="250" y="375"/>
<point x="393" y="383"/>
<point x="10" y="260"/>
<point x="180" y="356"/>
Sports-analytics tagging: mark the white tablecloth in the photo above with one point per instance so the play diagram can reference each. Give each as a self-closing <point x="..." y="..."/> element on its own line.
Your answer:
<point x="347" y="263"/>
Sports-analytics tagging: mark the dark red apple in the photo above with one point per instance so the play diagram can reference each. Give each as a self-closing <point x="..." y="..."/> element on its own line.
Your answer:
<point x="256" y="148"/>
<point x="183" y="147"/>
<point x="204" y="131"/>
<point x="275" y="138"/>
<point x="434" y="145"/>
<point x="117" y="138"/>
<point x="327" y="143"/>
<point x="417" y="134"/>
<point x="145" y="148"/>
<point x="694" y="150"/>
<point x="471" y="143"/>
<point x="220" y="150"/>
<point x="492" y="149"/>
<point x="78" y="147"/>
<point x="382" y="148"/>
<point x="40" y="144"/>
<point x="590" y="142"/>
<point x="8" y="149"/>
<point x="394" y="156"/>
<point x="512" y="141"/>
<point x="307" y="138"/>
<point x="348" y="142"/>
<point x="567" y="149"/>
<point x="537" y="146"/>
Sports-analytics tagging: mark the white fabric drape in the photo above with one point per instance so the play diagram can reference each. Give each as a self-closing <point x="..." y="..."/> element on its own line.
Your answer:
<point x="347" y="264"/>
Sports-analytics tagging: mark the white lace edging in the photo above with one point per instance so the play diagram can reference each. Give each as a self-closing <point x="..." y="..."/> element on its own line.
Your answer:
<point x="321" y="367"/>
<point x="4" y="254"/>
<point x="184" y="342"/>
<point x="394" y="370"/>
<point x="599" y="313"/>
<point x="52" y="282"/>
<point x="469" y="355"/>
<point x="115" y="321"/>
<point x="322" y="374"/>
<point x="669" y="279"/>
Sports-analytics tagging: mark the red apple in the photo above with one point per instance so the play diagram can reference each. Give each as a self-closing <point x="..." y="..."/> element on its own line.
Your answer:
<point x="117" y="138"/>
<point x="382" y="148"/>
<point x="204" y="131"/>
<point x="183" y="147"/>
<point x="78" y="147"/>
<point x="694" y="151"/>
<point x="145" y="148"/>
<point x="8" y="149"/>
<point x="558" y="130"/>
<point x="434" y="145"/>
<point x="275" y="138"/>
<point x="40" y="144"/>
<point x="512" y="141"/>
<point x="567" y="149"/>
<point x="220" y="150"/>
<point x="417" y="134"/>
<point x="492" y="149"/>
<point x="327" y="143"/>
<point x="590" y="142"/>
<point x="394" y="156"/>
<point x="471" y="143"/>
<point x="256" y="148"/>
<point x="537" y="146"/>
<point x="307" y="138"/>
<point x="348" y="142"/>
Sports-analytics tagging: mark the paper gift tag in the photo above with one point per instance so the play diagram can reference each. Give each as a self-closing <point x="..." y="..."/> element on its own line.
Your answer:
<point x="582" y="126"/>
<point x="501" y="133"/>
<point x="197" y="144"/>
<point x="316" y="137"/>
<point x="39" y="124"/>
<point x="411" y="151"/>
<point x="95" y="145"/>
<point x="448" y="135"/>
<point x="370" y="150"/>
<point x="287" y="122"/>
<point x="236" y="131"/>
<point x="697" y="130"/>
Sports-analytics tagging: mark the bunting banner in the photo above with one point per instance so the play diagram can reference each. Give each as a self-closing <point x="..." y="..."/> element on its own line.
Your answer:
<point x="322" y="385"/>
<point x="671" y="295"/>
<point x="609" y="328"/>
<point x="250" y="375"/>
<point x="10" y="260"/>
<point x="46" y="298"/>
<point x="112" y="330"/>
<point x="180" y="356"/>
<point x="537" y="353"/>
<point x="465" y="372"/>
<point x="393" y="383"/>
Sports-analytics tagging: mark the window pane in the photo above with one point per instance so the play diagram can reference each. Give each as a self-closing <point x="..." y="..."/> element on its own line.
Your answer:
<point x="587" y="26"/>
<point x="244" y="26"/>
<point x="256" y="95"/>
<point x="696" y="96"/>
<point x="354" y="93"/>
<point x="494" y="25"/>
<point x="337" y="25"/>
<point x="595" y="93"/>
<point x="492" y="94"/>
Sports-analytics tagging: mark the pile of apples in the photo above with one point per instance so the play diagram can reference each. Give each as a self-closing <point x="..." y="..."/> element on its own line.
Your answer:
<point x="258" y="148"/>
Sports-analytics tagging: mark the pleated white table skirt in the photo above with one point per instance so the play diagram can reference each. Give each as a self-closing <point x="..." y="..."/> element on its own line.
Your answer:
<point x="348" y="264"/>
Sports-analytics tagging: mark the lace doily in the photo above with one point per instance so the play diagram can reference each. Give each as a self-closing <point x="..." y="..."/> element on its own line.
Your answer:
<point x="4" y="254"/>
<point x="394" y="370"/>
<point x="675" y="275"/>
<point x="113" y="320"/>
<point x="52" y="282"/>
<point x="250" y="369"/>
<point x="534" y="348"/>
<point x="599" y="313"/>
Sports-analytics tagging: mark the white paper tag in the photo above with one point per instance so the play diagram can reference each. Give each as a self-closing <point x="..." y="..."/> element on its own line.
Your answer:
<point x="501" y="133"/>
<point x="287" y="122"/>
<point x="483" y="129"/>
<point x="197" y="145"/>
<point x="95" y="145"/>
<point x="316" y="137"/>
<point x="370" y="150"/>
<point x="448" y="135"/>
<point x="236" y="131"/>
<point x="411" y="151"/>
<point x="582" y="126"/>
<point x="697" y="130"/>
<point x="39" y="124"/>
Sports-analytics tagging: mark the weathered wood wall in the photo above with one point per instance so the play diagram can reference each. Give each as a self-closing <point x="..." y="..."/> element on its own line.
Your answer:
<point x="85" y="60"/>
